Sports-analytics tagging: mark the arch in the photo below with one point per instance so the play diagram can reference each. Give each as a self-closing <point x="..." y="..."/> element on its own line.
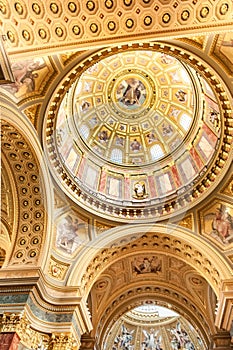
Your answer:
<point x="34" y="212"/>
<point x="162" y="296"/>
<point x="5" y="243"/>
<point x="170" y="239"/>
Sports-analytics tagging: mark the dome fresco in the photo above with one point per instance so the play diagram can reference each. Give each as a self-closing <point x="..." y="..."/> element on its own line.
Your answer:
<point x="134" y="108"/>
<point x="138" y="126"/>
<point x="161" y="328"/>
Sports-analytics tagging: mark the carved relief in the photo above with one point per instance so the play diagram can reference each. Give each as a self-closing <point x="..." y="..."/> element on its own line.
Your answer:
<point x="20" y="324"/>
<point x="32" y="215"/>
<point x="101" y="227"/>
<point x="57" y="269"/>
<point x="228" y="189"/>
<point x="32" y="113"/>
<point x="81" y="23"/>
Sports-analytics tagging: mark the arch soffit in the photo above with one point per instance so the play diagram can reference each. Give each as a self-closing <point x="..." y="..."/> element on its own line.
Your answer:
<point x="21" y="148"/>
<point x="172" y="240"/>
<point x="162" y="295"/>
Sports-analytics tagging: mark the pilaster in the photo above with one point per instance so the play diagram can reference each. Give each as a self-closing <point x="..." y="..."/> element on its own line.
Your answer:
<point x="221" y="341"/>
<point x="41" y="313"/>
<point x="224" y="314"/>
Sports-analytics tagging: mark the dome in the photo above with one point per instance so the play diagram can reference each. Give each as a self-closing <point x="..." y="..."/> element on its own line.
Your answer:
<point x="135" y="132"/>
<point x="134" y="108"/>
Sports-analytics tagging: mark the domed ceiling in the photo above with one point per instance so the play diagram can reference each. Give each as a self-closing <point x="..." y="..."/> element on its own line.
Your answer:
<point x="152" y="327"/>
<point x="134" y="108"/>
<point x="136" y="130"/>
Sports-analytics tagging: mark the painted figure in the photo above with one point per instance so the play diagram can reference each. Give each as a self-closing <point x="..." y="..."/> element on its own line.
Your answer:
<point x="181" y="95"/>
<point x="130" y="92"/>
<point x="135" y="145"/>
<point x="140" y="190"/>
<point x="222" y="223"/>
<point x="67" y="234"/>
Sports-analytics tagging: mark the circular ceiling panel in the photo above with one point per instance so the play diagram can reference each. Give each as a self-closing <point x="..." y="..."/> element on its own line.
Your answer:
<point x="134" y="108"/>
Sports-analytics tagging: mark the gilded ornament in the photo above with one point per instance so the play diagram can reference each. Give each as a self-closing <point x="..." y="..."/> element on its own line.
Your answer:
<point x="111" y="25"/>
<point x="19" y="8"/>
<point x="32" y="254"/>
<point x="127" y="2"/>
<point x="55" y="270"/>
<point x="35" y="240"/>
<point x="2" y="8"/>
<point x="93" y="27"/>
<point x="26" y="35"/>
<point x="185" y="15"/>
<point x="90" y="5"/>
<point x="204" y="12"/>
<point x="42" y="33"/>
<point x="72" y="7"/>
<point x="36" y="8"/>
<point x="224" y="8"/>
<point x="19" y="255"/>
<point x="129" y="23"/>
<point x="166" y="18"/>
<point x="59" y="32"/>
<point x="22" y="241"/>
<point x="140" y="190"/>
<point x="147" y="20"/>
<point x="54" y="7"/>
<point x="108" y="4"/>
<point x="76" y="30"/>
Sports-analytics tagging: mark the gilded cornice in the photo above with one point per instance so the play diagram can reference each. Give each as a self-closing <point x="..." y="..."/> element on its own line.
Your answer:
<point x="43" y="27"/>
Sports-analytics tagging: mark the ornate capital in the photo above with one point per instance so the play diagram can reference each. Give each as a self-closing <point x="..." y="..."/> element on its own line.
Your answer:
<point x="62" y="342"/>
<point x="19" y="324"/>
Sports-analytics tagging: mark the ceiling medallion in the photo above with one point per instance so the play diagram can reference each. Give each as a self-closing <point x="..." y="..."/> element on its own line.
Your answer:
<point x="131" y="93"/>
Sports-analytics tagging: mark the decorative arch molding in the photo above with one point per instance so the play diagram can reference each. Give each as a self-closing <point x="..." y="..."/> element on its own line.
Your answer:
<point x="162" y="295"/>
<point x="5" y="242"/>
<point x="22" y="151"/>
<point x="181" y="243"/>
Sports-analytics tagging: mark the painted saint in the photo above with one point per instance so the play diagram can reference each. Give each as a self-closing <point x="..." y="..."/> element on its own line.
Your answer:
<point x="131" y="92"/>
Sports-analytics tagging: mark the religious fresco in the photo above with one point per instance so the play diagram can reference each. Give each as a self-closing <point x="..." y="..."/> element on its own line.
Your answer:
<point x="131" y="93"/>
<point x="124" y="136"/>
<point x="71" y="233"/>
<point x="146" y="264"/>
<point x="217" y="222"/>
<point x="30" y="75"/>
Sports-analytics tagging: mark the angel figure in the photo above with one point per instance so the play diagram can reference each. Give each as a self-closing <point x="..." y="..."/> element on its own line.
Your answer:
<point x="150" y="341"/>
